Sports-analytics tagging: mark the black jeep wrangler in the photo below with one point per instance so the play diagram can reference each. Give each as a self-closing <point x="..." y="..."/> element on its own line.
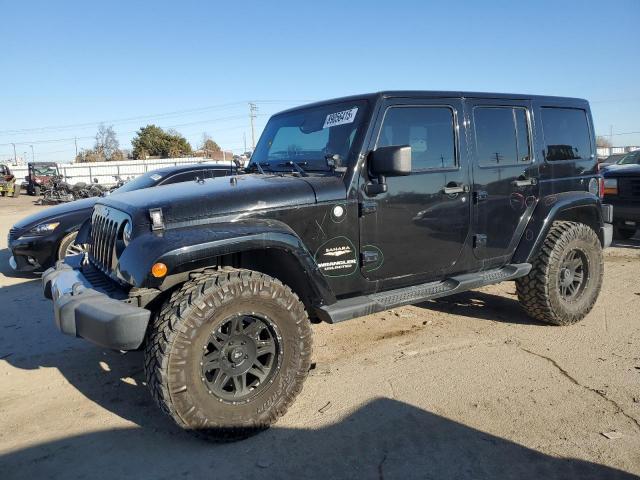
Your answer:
<point x="348" y="207"/>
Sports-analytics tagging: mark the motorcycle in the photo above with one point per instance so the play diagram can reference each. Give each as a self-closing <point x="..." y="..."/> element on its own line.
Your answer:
<point x="56" y="191"/>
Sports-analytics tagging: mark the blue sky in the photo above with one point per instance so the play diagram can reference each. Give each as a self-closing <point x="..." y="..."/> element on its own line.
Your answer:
<point x="194" y="65"/>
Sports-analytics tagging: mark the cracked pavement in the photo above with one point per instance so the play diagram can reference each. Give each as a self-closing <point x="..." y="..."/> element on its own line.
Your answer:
<point x="463" y="387"/>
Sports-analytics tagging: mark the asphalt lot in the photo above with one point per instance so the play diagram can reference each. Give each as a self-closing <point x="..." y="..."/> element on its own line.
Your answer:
<point x="464" y="387"/>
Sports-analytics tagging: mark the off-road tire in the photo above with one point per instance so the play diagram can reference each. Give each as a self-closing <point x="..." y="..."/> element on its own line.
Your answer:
<point x="174" y="349"/>
<point x="539" y="292"/>
<point x="621" y="233"/>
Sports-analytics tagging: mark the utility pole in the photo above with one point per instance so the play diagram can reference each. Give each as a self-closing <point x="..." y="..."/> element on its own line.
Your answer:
<point x="15" y="157"/>
<point x="244" y="138"/>
<point x="75" y="139"/>
<point x="611" y="134"/>
<point x="33" y="154"/>
<point x="252" y="115"/>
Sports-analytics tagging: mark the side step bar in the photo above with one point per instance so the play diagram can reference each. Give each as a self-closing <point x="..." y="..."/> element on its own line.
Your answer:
<point x="355" y="307"/>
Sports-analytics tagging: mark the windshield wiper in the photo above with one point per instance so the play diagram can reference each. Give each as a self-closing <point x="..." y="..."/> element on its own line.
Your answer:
<point x="258" y="166"/>
<point x="297" y="166"/>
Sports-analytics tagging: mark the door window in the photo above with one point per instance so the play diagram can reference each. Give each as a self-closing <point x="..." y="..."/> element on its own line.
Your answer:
<point x="428" y="130"/>
<point x="184" y="177"/>
<point x="566" y="134"/>
<point x="502" y="136"/>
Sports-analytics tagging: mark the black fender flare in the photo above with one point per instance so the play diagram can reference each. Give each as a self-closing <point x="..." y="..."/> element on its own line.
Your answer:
<point x="557" y="207"/>
<point x="198" y="246"/>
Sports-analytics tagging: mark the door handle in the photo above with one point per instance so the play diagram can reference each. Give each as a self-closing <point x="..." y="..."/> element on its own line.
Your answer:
<point x="525" y="182"/>
<point x="453" y="189"/>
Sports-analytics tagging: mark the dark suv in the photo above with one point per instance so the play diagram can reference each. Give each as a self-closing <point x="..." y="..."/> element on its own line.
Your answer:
<point x="348" y="207"/>
<point x="622" y="191"/>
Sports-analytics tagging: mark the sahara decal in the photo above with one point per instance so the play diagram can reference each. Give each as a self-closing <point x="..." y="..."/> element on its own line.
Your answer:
<point x="337" y="257"/>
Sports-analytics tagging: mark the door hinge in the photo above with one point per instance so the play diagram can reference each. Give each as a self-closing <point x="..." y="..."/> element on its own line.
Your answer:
<point x="368" y="257"/>
<point x="480" y="196"/>
<point x="479" y="241"/>
<point x="367" y="207"/>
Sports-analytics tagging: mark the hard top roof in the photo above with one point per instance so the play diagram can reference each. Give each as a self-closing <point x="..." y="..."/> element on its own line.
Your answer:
<point x="440" y="94"/>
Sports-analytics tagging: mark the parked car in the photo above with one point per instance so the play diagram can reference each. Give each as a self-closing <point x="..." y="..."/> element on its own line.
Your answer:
<point x="39" y="240"/>
<point x="40" y="174"/>
<point x="622" y="190"/>
<point x="631" y="158"/>
<point x="348" y="207"/>
<point x="8" y="183"/>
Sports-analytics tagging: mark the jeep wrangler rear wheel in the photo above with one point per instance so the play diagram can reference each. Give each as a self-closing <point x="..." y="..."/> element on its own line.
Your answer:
<point x="566" y="277"/>
<point x="228" y="353"/>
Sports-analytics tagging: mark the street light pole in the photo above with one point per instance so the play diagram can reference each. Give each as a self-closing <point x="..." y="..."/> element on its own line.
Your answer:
<point x="15" y="157"/>
<point x="33" y="154"/>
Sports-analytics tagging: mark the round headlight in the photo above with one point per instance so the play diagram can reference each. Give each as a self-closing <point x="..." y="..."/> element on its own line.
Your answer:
<point x="126" y="233"/>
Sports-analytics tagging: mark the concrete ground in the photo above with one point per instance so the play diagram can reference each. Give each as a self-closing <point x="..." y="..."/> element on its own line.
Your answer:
<point x="464" y="387"/>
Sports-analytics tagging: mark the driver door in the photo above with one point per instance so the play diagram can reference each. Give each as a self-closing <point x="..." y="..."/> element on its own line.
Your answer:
<point x="419" y="226"/>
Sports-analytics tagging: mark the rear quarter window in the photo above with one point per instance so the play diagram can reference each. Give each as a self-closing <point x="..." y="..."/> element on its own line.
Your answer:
<point x="566" y="134"/>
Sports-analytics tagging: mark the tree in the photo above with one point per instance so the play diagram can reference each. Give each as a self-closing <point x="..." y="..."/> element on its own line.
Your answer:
<point x="106" y="148"/>
<point x="107" y="143"/>
<point x="153" y="141"/>
<point x="208" y="145"/>
<point x="603" y="141"/>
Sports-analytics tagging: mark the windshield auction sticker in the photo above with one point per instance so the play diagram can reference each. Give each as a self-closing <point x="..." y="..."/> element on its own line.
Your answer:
<point x="340" y="118"/>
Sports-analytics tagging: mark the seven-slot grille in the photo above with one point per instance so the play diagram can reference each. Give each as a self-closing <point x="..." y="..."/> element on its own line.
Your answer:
<point x="629" y="187"/>
<point x="106" y="224"/>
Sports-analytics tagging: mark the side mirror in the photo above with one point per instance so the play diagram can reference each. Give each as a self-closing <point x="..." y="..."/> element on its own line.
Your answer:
<point x="392" y="161"/>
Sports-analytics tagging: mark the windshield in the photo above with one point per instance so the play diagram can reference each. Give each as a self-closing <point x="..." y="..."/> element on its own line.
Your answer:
<point x="147" y="180"/>
<point x="44" y="170"/>
<point x="630" y="158"/>
<point x="309" y="136"/>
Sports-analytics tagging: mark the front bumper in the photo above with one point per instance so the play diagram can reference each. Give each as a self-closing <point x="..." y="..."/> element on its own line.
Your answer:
<point x="34" y="253"/>
<point x="84" y="311"/>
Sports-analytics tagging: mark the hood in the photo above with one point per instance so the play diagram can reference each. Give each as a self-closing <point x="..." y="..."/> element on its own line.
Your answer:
<point x="224" y="195"/>
<point x="621" y="171"/>
<point x="56" y="211"/>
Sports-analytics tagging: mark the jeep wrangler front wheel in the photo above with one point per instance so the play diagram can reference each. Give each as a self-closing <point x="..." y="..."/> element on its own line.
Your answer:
<point x="228" y="353"/>
<point x="566" y="276"/>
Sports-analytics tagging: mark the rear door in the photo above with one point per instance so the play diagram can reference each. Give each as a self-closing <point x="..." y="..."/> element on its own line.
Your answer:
<point x="505" y="175"/>
<point x="419" y="226"/>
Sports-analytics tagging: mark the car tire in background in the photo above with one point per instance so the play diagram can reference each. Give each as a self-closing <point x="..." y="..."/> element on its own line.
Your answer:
<point x="69" y="247"/>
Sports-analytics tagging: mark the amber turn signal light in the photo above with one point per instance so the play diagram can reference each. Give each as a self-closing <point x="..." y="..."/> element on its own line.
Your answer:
<point x="159" y="270"/>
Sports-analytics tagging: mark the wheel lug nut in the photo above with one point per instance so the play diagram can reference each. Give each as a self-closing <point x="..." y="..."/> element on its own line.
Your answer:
<point x="246" y="356"/>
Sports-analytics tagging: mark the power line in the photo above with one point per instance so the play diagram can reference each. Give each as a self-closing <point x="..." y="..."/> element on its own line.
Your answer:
<point x="620" y="133"/>
<point x="120" y="120"/>
<point x="176" y="113"/>
<point x="69" y="139"/>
